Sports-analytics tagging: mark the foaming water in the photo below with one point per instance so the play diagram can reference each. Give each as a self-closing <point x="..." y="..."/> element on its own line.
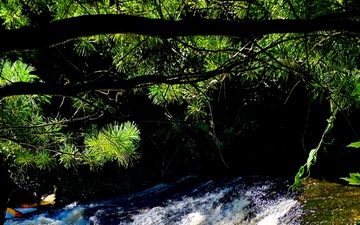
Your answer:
<point x="250" y="201"/>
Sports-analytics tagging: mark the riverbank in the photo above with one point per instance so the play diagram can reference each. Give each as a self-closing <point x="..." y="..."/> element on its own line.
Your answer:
<point x="326" y="202"/>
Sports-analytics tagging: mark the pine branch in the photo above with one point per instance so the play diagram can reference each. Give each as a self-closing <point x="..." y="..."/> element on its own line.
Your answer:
<point x="24" y="88"/>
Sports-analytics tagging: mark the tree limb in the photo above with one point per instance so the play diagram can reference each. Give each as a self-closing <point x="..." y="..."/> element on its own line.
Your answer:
<point x="57" y="32"/>
<point x="25" y="88"/>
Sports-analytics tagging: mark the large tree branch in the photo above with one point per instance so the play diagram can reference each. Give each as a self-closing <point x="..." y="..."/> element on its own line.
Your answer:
<point x="64" y="30"/>
<point x="68" y="29"/>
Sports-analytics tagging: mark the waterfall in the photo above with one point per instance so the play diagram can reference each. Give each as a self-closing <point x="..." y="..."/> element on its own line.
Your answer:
<point x="235" y="201"/>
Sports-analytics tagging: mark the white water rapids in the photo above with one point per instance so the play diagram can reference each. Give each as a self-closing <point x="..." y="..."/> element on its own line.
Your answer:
<point x="236" y="201"/>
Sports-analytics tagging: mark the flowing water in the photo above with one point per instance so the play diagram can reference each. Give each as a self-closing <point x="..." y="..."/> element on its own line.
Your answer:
<point x="235" y="201"/>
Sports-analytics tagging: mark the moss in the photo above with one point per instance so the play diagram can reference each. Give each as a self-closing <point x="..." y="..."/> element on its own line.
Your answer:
<point x="330" y="203"/>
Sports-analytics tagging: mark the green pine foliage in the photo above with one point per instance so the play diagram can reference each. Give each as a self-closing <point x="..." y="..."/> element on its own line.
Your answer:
<point x="325" y="62"/>
<point x="113" y="143"/>
<point x="31" y="140"/>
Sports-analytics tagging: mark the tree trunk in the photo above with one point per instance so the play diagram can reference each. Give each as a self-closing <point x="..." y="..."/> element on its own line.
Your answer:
<point x="6" y="186"/>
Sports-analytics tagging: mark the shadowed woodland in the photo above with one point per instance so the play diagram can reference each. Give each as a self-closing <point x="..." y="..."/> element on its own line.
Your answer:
<point x="106" y="97"/>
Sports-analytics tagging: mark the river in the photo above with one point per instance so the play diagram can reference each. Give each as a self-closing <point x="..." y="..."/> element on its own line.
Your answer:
<point x="237" y="200"/>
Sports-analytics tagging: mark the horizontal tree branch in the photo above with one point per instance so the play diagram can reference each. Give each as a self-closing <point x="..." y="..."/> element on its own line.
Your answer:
<point x="25" y="88"/>
<point x="57" y="32"/>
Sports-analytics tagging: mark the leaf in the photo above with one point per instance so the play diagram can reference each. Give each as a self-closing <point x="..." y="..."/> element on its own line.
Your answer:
<point x="296" y="184"/>
<point x="354" y="144"/>
<point x="353" y="180"/>
<point x="300" y="172"/>
<point x="311" y="159"/>
<point x="298" y="180"/>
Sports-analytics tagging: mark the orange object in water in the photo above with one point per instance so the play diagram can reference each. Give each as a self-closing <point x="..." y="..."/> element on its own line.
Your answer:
<point x="48" y="200"/>
<point x="25" y="205"/>
<point x="14" y="212"/>
<point x="29" y="207"/>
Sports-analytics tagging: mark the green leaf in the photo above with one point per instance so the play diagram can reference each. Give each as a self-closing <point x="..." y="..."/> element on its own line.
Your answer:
<point x="298" y="180"/>
<point x="354" y="144"/>
<point x="311" y="159"/>
<point x="300" y="172"/>
<point x="354" y="179"/>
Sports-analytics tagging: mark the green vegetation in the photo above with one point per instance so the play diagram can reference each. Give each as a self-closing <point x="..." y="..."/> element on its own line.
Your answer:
<point x="353" y="178"/>
<point x="200" y="80"/>
<point x="330" y="203"/>
<point x="29" y="139"/>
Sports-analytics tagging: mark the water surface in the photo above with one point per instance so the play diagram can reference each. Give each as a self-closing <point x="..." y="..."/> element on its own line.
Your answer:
<point x="230" y="201"/>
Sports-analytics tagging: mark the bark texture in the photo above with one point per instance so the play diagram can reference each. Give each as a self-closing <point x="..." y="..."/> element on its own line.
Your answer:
<point x="64" y="30"/>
